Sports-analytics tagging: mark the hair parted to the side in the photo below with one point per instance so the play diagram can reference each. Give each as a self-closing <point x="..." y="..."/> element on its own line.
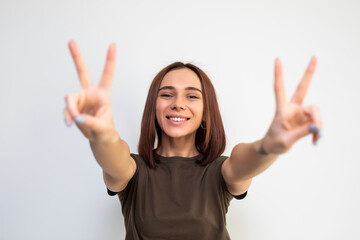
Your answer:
<point x="210" y="138"/>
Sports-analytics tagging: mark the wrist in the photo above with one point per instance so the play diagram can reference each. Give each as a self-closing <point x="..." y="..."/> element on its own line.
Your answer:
<point x="265" y="147"/>
<point x="261" y="149"/>
<point x="107" y="138"/>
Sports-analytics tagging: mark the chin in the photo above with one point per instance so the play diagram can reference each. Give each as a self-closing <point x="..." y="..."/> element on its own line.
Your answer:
<point x="179" y="134"/>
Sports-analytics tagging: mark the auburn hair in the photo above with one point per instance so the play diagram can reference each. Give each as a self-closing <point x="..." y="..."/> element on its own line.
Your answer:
<point x="210" y="138"/>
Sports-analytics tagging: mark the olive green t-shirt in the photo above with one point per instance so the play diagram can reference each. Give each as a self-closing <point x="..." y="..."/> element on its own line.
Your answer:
<point x="178" y="200"/>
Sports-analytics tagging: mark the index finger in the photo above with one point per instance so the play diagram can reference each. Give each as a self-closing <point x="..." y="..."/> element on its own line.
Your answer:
<point x="279" y="88"/>
<point x="303" y="86"/>
<point x="80" y="65"/>
<point x="109" y="68"/>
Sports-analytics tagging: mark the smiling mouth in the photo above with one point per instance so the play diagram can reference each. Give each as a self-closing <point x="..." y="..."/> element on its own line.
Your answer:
<point x="177" y="119"/>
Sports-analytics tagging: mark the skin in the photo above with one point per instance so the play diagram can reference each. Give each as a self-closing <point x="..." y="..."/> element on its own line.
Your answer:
<point x="92" y="104"/>
<point x="179" y="96"/>
<point x="91" y="110"/>
<point x="291" y="122"/>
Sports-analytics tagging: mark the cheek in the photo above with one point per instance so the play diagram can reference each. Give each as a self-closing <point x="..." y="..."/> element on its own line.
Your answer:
<point x="159" y="109"/>
<point x="198" y="109"/>
<point x="201" y="113"/>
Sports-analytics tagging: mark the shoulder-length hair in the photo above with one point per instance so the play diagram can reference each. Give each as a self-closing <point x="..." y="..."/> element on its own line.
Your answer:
<point x="210" y="136"/>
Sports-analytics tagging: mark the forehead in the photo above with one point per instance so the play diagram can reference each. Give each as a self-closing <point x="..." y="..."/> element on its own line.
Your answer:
<point x="181" y="78"/>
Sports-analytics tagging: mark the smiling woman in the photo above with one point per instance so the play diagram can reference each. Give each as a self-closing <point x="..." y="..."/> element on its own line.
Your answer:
<point x="181" y="188"/>
<point x="189" y="86"/>
<point x="179" y="109"/>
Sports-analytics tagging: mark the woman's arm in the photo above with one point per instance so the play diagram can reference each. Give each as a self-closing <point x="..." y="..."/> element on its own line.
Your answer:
<point x="114" y="158"/>
<point x="292" y="121"/>
<point x="91" y="110"/>
<point x="244" y="163"/>
<point x="257" y="161"/>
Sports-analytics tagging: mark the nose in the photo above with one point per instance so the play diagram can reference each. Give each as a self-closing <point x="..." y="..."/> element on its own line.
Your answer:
<point x="178" y="104"/>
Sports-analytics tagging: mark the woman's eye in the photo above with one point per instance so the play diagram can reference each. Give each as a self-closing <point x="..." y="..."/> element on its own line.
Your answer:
<point x="193" y="97"/>
<point x="165" y="95"/>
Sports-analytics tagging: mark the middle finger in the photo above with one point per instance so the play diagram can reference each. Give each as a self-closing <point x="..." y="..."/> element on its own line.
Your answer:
<point x="109" y="68"/>
<point x="303" y="86"/>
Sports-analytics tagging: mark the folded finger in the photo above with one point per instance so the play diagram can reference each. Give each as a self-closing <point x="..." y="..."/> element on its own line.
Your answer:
<point x="71" y="100"/>
<point x="67" y="117"/>
<point x="313" y="126"/>
<point x="314" y="115"/>
<point x="317" y="127"/>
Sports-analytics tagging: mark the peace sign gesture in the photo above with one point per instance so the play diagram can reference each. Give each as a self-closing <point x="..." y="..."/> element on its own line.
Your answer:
<point x="292" y="121"/>
<point x="91" y="108"/>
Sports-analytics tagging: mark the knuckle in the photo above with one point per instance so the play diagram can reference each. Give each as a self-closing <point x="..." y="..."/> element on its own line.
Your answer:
<point x="315" y="108"/>
<point x="67" y="96"/>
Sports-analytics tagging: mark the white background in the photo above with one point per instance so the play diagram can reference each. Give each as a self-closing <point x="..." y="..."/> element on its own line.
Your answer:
<point x="51" y="186"/>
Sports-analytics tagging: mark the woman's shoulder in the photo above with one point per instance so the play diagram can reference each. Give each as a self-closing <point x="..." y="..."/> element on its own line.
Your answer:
<point x="219" y="160"/>
<point x="138" y="159"/>
<point x="135" y="156"/>
<point x="215" y="165"/>
<point x="141" y="163"/>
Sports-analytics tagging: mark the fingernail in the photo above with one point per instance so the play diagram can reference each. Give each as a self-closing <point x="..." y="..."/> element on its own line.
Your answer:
<point x="313" y="128"/>
<point x="79" y="119"/>
<point x="316" y="142"/>
<point x="67" y="122"/>
<point x="320" y="133"/>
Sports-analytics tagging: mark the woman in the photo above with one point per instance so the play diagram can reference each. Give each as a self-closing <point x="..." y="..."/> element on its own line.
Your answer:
<point x="179" y="186"/>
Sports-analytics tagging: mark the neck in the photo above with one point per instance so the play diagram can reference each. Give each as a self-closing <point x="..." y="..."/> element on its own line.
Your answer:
<point x="181" y="147"/>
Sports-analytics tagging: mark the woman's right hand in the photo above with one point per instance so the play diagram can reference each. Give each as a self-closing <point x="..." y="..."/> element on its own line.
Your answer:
<point x="91" y="109"/>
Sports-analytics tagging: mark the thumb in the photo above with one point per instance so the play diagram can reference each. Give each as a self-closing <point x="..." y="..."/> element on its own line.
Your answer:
<point x="85" y="121"/>
<point x="302" y="131"/>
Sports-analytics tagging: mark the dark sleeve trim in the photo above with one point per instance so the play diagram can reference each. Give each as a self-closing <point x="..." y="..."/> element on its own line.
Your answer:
<point x="111" y="193"/>
<point x="241" y="196"/>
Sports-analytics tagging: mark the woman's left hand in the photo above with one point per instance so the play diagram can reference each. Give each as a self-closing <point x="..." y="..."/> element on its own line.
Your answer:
<point x="292" y="121"/>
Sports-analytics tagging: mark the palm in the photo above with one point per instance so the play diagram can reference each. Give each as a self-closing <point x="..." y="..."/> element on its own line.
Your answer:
<point x="293" y="116"/>
<point x="92" y="103"/>
<point x="292" y="120"/>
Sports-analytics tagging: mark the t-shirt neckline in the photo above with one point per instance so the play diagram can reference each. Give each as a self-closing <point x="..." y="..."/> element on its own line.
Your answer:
<point x="172" y="158"/>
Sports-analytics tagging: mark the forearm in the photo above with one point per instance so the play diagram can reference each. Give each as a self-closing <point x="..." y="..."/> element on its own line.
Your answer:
<point x="246" y="161"/>
<point x="113" y="156"/>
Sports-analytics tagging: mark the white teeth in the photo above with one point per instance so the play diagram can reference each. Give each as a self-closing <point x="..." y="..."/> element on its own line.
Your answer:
<point x="177" y="119"/>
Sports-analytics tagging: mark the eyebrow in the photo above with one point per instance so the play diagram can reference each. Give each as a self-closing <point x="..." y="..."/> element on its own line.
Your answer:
<point x="187" y="88"/>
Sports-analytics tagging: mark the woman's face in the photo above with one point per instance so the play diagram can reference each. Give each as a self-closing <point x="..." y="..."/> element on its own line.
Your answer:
<point x="179" y="104"/>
